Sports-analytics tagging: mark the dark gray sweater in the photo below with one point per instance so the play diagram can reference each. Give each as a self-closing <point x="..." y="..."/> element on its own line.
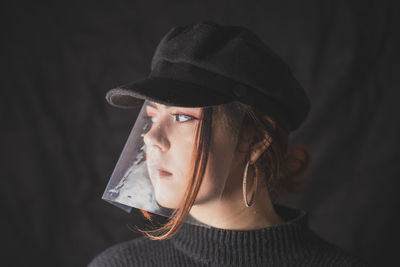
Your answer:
<point x="291" y="243"/>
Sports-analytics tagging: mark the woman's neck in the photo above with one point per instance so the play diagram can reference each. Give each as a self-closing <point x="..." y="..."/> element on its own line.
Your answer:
<point x="230" y="212"/>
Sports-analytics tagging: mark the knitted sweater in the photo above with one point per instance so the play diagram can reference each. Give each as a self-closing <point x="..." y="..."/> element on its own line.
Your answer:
<point x="291" y="243"/>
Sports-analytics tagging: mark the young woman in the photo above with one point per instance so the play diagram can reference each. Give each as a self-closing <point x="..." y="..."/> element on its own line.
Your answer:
<point x="210" y="151"/>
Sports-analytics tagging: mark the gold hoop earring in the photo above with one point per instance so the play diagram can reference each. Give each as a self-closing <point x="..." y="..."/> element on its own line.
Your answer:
<point x="254" y="187"/>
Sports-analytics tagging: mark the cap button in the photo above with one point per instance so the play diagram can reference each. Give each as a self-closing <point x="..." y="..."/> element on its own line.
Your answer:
<point x="240" y="90"/>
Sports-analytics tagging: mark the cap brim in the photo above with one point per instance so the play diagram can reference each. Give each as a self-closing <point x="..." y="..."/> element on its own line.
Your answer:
<point x="165" y="91"/>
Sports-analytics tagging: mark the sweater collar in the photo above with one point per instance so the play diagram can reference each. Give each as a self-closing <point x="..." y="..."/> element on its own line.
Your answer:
<point x="246" y="247"/>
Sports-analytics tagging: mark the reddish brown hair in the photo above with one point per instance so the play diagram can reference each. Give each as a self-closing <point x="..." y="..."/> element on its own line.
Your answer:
<point x="282" y="162"/>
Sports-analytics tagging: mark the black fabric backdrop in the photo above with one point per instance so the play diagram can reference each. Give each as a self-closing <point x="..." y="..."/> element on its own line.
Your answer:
<point x="60" y="139"/>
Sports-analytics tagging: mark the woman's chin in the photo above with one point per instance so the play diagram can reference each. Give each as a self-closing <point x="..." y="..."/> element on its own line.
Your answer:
<point x="167" y="203"/>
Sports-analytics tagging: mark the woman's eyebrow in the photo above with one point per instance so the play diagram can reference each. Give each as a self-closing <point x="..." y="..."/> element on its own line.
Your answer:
<point x="152" y="105"/>
<point x="155" y="106"/>
<point x="167" y="108"/>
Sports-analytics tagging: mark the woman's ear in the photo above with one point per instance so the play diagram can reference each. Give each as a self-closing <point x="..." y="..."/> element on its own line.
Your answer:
<point x="258" y="148"/>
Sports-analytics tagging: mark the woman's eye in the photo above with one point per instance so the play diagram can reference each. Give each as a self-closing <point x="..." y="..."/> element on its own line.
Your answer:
<point x="183" y="117"/>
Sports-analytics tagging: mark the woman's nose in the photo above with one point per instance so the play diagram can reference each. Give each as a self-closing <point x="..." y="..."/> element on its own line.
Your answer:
<point x="156" y="136"/>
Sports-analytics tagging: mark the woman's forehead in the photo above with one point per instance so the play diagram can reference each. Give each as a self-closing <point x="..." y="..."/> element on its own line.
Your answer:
<point x="162" y="106"/>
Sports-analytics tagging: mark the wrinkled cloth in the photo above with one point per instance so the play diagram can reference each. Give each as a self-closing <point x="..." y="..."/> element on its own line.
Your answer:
<point x="291" y="243"/>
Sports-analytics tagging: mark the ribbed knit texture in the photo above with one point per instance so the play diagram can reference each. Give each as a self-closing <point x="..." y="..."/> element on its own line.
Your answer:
<point x="291" y="243"/>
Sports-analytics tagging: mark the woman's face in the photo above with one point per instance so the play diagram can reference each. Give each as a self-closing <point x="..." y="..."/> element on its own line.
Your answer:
<point x="170" y="144"/>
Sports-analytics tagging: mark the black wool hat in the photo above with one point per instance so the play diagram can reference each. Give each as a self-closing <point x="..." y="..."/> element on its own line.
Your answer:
<point x="205" y="64"/>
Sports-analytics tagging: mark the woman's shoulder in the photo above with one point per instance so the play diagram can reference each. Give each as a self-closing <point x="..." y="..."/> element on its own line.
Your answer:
<point x="329" y="254"/>
<point x="128" y="253"/>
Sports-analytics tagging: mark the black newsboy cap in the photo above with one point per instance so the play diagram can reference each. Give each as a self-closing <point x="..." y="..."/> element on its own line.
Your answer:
<point x="205" y="64"/>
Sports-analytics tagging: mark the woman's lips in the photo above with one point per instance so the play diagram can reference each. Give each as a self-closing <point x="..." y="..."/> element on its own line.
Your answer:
<point x="160" y="171"/>
<point x="163" y="173"/>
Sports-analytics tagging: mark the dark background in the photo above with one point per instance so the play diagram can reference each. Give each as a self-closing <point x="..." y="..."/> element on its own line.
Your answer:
<point x="60" y="140"/>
